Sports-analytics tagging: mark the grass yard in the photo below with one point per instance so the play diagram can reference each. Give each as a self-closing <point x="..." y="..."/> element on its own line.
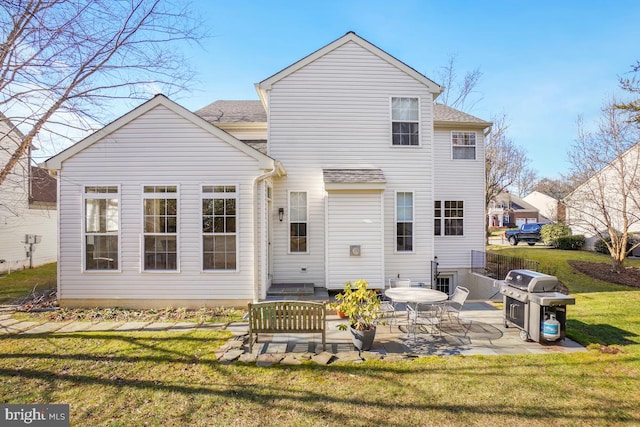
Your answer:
<point x="20" y="283"/>
<point x="169" y="378"/>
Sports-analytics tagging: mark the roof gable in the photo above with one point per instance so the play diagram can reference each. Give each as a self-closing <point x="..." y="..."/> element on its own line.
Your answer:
<point x="267" y="84"/>
<point x="55" y="162"/>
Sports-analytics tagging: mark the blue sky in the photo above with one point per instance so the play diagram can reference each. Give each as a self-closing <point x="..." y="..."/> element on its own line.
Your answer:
<point x="543" y="62"/>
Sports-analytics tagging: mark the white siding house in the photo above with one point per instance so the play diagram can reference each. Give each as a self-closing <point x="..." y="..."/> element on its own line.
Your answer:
<point x="28" y="216"/>
<point x="608" y="201"/>
<point x="345" y="169"/>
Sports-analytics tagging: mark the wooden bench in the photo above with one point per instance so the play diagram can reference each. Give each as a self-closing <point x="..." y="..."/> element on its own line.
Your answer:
<point x="292" y="317"/>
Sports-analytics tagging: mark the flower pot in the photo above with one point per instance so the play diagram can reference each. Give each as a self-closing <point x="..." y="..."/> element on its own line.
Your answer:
<point x="363" y="340"/>
<point x="341" y="314"/>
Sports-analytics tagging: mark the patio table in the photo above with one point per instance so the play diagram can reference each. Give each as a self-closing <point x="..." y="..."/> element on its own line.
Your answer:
<point x="415" y="296"/>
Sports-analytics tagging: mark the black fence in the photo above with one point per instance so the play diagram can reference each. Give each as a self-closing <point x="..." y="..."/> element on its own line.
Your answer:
<point x="497" y="266"/>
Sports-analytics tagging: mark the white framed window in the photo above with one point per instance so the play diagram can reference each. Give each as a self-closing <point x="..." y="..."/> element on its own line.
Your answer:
<point x="448" y="218"/>
<point x="404" y="221"/>
<point x="444" y="283"/>
<point x="160" y="227"/>
<point x="219" y="227"/>
<point x="101" y="227"/>
<point x="405" y="121"/>
<point x="298" y="222"/>
<point x="463" y="145"/>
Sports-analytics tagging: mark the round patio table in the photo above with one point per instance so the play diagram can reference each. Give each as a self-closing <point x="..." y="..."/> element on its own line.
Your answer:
<point x="415" y="295"/>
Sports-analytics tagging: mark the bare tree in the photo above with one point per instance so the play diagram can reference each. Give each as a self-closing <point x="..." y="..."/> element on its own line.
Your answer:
<point x="505" y="161"/>
<point x="556" y="188"/>
<point x="607" y="204"/>
<point x="458" y="91"/>
<point x="63" y="61"/>
<point x="631" y="85"/>
<point x="525" y="181"/>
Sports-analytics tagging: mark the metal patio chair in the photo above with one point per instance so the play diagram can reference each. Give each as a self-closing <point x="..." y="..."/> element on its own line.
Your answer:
<point x="387" y="306"/>
<point x="454" y="305"/>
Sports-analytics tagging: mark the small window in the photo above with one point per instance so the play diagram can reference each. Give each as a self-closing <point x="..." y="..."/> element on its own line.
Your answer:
<point x="443" y="284"/>
<point x="102" y="224"/>
<point x="404" y="222"/>
<point x="160" y="207"/>
<point x="405" y="121"/>
<point x="219" y="222"/>
<point x="298" y="219"/>
<point x="448" y="218"/>
<point x="463" y="145"/>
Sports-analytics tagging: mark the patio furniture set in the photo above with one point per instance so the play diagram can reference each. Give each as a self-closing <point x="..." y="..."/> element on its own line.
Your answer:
<point x="425" y="308"/>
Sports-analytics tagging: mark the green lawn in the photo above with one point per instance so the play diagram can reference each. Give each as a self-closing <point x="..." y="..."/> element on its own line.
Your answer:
<point x="151" y="378"/>
<point x="20" y="283"/>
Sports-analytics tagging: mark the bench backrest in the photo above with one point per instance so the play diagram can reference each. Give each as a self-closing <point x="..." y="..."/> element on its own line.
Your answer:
<point x="287" y="316"/>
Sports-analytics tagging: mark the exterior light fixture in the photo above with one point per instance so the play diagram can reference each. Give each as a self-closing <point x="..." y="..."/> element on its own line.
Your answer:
<point x="281" y="214"/>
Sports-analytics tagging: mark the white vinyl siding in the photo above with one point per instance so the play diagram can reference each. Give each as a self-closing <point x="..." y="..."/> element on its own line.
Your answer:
<point x="157" y="147"/>
<point x="355" y="219"/>
<point x="219" y="218"/>
<point x="457" y="180"/>
<point x="334" y="113"/>
<point x="18" y="217"/>
<point x="101" y="227"/>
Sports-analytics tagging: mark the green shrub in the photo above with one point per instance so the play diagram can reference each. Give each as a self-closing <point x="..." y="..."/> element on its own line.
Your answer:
<point x="601" y="245"/>
<point x="569" y="243"/>
<point x="550" y="232"/>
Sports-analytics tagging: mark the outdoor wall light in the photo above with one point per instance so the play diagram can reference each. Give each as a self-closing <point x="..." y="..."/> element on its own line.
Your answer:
<point x="281" y="214"/>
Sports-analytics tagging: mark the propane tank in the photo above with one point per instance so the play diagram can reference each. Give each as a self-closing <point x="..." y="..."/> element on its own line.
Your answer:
<point x="551" y="328"/>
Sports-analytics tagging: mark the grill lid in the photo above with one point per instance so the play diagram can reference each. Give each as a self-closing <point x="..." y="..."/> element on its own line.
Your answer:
<point x="531" y="281"/>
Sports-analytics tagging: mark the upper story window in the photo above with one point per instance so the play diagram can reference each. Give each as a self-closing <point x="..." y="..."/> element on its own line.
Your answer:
<point x="405" y="121"/>
<point x="463" y="145"/>
<point x="102" y="224"/>
<point x="160" y="207"/>
<point x="404" y="221"/>
<point x="219" y="218"/>
<point x="448" y="218"/>
<point x="298" y="219"/>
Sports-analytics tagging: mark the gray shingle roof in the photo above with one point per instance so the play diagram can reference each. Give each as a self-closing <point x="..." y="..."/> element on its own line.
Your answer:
<point x="338" y="176"/>
<point x="233" y="112"/>
<point x="443" y="113"/>
<point x="253" y="112"/>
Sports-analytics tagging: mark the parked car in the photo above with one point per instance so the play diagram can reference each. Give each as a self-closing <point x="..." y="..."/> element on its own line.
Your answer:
<point x="529" y="233"/>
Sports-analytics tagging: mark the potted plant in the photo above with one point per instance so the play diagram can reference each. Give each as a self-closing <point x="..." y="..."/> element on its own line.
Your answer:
<point x="361" y="306"/>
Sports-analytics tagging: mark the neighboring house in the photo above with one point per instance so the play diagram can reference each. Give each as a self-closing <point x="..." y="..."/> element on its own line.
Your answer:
<point x="28" y="216"/>
<point x="611" y="188"/>
<point x="509" y="210"/>
<point x="549" y="208"/>
<point x="344" y="169"/>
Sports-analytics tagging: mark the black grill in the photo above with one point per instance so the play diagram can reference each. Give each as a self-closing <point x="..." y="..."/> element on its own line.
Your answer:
<point x="530" y="302"/>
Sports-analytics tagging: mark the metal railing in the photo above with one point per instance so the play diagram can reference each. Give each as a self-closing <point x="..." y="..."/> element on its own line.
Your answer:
<point x="497" y="266"/>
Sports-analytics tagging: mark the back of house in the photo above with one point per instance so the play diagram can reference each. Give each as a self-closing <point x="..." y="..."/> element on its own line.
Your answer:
<point x="344" y="169"/>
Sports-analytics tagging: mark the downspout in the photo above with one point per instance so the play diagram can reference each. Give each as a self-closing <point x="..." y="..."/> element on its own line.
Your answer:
<point x="277" y="166"/>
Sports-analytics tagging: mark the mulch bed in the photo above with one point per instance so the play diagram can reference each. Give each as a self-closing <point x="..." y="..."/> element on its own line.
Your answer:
<point x="602" y="271"/>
